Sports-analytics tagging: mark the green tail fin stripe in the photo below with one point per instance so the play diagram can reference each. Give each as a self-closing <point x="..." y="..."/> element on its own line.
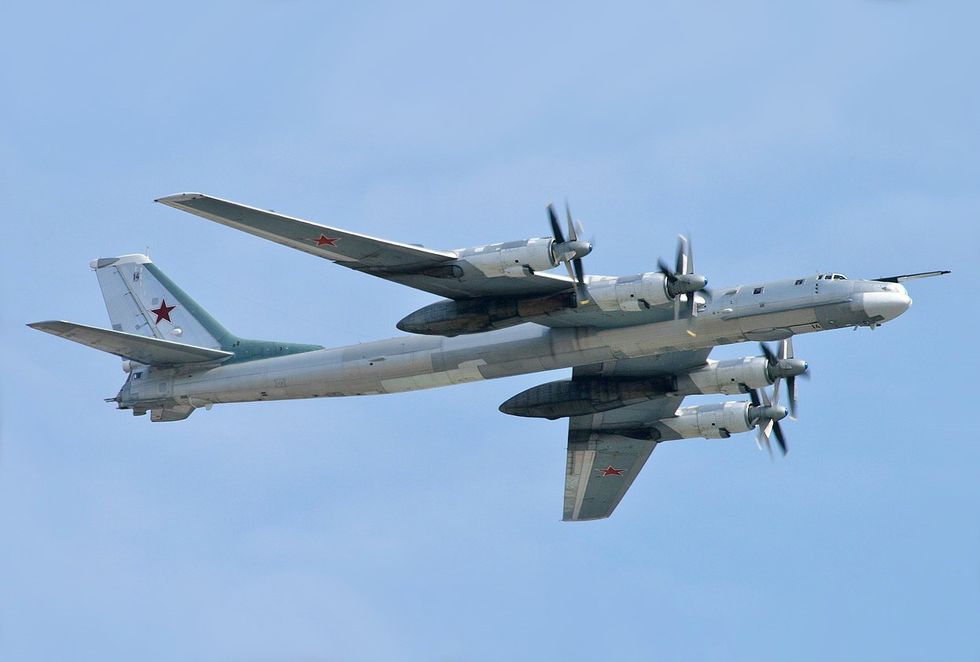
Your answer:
<point x="243" y="348"/>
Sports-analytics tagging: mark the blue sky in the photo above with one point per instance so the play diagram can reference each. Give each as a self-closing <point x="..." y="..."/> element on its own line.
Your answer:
<point x="787" y="137"/>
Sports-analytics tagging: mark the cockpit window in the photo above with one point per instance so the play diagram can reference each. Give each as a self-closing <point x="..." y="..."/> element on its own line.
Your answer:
<point x="840" y="277"/>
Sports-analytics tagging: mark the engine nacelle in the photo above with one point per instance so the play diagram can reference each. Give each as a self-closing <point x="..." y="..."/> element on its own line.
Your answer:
<point x="453" y="318"/>
<point x="585" y="396"/>
<point x="629" y="293"/>
<point x="712" y="421"/>
<point x="514" y="259"/>
<point x="729" y="377"/>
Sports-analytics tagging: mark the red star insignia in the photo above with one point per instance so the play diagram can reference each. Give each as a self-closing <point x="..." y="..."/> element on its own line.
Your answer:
<point x="324" y="240"/>
<point x="610" y="471"/>
<point x="163" y="312"/>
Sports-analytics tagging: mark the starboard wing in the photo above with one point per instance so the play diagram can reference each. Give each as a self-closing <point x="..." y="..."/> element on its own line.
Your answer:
<point x="437" y="271"/>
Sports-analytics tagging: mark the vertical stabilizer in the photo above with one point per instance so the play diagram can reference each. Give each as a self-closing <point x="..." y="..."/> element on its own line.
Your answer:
<point x="141" y="299"/>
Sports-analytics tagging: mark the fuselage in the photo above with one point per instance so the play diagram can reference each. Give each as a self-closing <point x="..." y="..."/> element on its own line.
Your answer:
<point x="760" y="311"/>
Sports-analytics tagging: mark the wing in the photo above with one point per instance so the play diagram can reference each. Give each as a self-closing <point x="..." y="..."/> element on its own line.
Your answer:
<point x="605" y="452"/>
<point x="435" y="271"/>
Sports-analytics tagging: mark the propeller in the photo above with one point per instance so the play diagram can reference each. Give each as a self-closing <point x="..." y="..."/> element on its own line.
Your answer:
<point x="785" y="366"/>
<point x="570" y="251"/>
<point x="682" y="280"/>
<point x="766" y="416"/>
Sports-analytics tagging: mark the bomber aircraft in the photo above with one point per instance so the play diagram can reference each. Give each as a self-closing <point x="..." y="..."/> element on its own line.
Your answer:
<point x="637" y="345"/>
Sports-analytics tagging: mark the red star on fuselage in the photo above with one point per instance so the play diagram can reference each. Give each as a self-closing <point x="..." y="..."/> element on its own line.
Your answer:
<point x="610" y="471"/>
<point x="163" y="312"/>
<point x="324" y="240"/>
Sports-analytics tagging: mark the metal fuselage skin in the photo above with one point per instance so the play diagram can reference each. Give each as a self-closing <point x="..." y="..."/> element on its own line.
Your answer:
<point x="761" y="311"/>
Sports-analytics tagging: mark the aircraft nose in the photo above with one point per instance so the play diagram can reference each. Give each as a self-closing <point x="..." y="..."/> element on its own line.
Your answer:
<point x="885" y="305"/>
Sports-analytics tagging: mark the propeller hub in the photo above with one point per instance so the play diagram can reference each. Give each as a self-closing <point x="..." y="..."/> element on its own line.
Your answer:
<point x="787" y="368"/>
<point x="768" y="413"/>
<point x="570" y="250"/>
<point x="685" y="284"/>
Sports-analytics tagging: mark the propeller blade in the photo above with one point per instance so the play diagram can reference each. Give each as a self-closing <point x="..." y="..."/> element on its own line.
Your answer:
<point x="775" y="391"/>
<point x="788" y="343"/>
<point x="768" y="426"/>
<point x="572" y="230"/>
<point x="681" y="255"/>
<point x="768" y="353"/>
<point x="579" y="270"/>
<point x="571" y="274"/>
<point x="690" y="255"/>
<point x="665" y="270"/>
<point x="555" y="228"/>
<point x="791" y="389"/>
<point x="692" y="312"/>
<point x="780" y="439"/>
<point x="763" y="440"/>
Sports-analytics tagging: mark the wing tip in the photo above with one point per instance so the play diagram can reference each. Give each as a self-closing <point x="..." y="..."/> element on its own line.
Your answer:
<point x="54" y="327"/>
<point x="178" y="198"/>
<point x="591" y="518"/>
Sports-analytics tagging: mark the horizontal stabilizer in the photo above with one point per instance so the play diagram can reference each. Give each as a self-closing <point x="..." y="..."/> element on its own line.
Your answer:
<point x="905" y="277"/>
<point x="141" y="349"/>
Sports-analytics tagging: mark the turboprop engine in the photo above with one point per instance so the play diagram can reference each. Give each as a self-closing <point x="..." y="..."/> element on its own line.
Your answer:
<point x="629" y="293"/>
<point x="712" y="421"/>
<point x="522" y="258"/>
<point x="515" y="259"/>
<point x="591" y="395"/>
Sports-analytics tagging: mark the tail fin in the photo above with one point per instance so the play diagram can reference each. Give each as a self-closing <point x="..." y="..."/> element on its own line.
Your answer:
<point x="141" y="299"/>
<point x="161" y="329"/>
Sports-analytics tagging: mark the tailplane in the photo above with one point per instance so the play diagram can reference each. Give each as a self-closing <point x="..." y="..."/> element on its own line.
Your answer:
<point x="159" y="331"/>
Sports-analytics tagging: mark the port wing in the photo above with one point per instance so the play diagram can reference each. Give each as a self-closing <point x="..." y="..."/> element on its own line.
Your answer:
<point x="606" y="451"/>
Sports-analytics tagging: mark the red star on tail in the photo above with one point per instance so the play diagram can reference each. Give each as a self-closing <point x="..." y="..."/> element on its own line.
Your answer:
<point x="610" y="471"/>
<point x="163" y="312"/>
<point x="324" y="240"/>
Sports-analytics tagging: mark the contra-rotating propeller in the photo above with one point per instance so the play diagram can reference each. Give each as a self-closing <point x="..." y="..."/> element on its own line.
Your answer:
<point x="683" y="281"/>
<point x="570" y="252"/>
<point x="784" y="366"/>
<point x="765" y="415"/>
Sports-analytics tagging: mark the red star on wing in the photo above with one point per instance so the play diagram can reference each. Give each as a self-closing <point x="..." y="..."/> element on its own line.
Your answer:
<point x="324" y="240"/>
<point x="610" y="471"/>
<point x="163" y="312"/>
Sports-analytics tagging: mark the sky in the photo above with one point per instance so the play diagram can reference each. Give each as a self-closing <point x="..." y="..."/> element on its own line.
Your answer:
<point x="787" y="138"/>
